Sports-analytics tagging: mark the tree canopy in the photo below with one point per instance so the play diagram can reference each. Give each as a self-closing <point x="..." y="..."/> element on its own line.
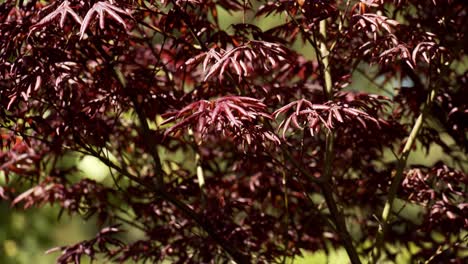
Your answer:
<point x="251" y="131"/>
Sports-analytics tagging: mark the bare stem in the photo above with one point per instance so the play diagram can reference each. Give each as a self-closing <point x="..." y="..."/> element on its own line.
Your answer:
<point x="328" y="88"/>
<point x="402" y="160"/>
<point x="339" y="221"/>
<point x="321" y="52"/>
<point x="325" y="186"/>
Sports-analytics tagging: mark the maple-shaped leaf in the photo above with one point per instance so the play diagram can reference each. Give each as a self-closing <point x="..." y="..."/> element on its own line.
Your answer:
<point x="303" y="113"/>
<point x="99" y="8"/>
<point x="61" y="11"/>
<point x="375" y="23"/>
<point x="230" y="116"/>
<point x="254" y="56"/>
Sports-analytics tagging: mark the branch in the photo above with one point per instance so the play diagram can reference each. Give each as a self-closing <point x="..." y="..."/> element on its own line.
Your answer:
<point x="321" y="52"/>
<point x="339" y="220"/>
<point x="327" y="79"/>
<point x="235" y="254"/>
<point x="146" y="133"/>
<point x="325" y="186"/>
<point x="402" y="160"/>
<point x="313" y="43"/>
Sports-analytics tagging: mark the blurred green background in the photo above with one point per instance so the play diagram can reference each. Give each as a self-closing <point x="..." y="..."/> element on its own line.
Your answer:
<point x="26" y="235"/>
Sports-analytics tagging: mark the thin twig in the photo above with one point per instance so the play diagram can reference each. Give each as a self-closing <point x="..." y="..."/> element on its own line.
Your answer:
<point x="235" y="254"/>
<point x="187" y="211"/>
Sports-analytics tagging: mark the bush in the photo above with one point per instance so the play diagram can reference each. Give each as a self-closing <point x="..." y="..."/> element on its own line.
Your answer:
<point x="242" y="143"/>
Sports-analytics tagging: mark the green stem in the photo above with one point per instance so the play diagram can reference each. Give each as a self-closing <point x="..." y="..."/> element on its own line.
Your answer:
<point x="326" y="188"/>
<point x="402" y="160"/>
<point x="328" y="88"/>
<point x="198" y="161"/>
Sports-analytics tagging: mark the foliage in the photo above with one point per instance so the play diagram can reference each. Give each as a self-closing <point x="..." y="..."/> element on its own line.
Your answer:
<point x="233" y="144"/>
